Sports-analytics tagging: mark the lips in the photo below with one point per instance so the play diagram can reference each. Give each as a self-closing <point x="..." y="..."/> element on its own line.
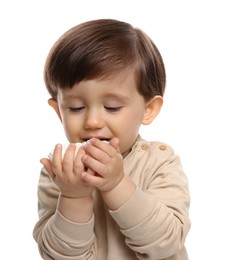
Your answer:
<point x="97" y="137"/>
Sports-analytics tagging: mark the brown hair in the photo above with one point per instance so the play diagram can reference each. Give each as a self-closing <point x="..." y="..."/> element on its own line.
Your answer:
<point x="99" y="48"/>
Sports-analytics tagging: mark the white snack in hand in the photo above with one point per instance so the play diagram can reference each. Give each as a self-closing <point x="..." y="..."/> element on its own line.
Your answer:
<point x="65" y="146"/>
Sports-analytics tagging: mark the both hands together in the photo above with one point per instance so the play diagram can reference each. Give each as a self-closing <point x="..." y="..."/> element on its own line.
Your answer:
<point x="97" y="165"/>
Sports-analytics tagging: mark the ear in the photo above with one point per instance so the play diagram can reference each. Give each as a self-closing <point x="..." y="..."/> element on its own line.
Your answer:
<point x="152" y="108"/>
<point x="53" y="103"/>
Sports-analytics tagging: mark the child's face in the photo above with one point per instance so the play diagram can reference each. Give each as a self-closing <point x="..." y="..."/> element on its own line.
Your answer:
<point x="103" y="109"/>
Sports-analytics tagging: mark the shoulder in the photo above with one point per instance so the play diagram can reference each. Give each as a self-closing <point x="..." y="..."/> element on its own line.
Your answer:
<point x="152" y="159"/>
<point x="153" y="154"/>
<point x="153" y="148"/>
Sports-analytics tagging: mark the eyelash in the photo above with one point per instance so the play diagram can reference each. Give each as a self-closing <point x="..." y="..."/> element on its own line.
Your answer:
<point x="111" y="109"/>
<point x="76" y="109"/>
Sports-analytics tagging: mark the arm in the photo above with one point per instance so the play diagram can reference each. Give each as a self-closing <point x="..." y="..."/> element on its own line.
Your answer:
<point x="65" y="227"/>
<point x="153" y="216"/>
<point x="159" y="209"/>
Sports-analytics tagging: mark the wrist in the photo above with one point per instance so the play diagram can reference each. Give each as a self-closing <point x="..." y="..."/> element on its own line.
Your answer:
<point x="120" y="194"/>
<point x="78" y="209"/>
<point x="75" y="197"/>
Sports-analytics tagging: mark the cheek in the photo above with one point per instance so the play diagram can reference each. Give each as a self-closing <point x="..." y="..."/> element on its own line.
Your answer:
<point x="135" y="117"/>
<point x="71" y="126"/>
<point x="129" y="128"/>
<point x="131" y="120"/>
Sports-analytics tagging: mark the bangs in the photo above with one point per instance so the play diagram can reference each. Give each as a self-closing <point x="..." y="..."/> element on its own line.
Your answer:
<point x="102" y="48"/>
<point x="89" y="54"/>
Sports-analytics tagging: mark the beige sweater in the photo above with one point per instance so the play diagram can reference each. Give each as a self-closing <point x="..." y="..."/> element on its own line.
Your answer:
<point x="152" y="224"/>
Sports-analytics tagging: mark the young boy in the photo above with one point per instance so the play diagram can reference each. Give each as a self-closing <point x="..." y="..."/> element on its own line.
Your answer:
<point x="120" y="197"/>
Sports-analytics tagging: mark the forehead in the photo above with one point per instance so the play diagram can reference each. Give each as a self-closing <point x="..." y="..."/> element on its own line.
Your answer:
<point x="122" y="83"/>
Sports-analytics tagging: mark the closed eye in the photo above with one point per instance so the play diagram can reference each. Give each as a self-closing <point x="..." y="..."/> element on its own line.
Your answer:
<point x="76" y="109"/>
<point x="113" y="109"/>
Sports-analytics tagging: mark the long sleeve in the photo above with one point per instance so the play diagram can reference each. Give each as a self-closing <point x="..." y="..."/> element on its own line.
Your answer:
<point x="57" y="237"/>
<point x="152" y="224"/>
<point x="155" y="220"/>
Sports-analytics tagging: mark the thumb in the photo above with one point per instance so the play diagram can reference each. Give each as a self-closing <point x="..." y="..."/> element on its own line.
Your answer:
<point x="115" y="143"/>
<point x="47" y="164"/>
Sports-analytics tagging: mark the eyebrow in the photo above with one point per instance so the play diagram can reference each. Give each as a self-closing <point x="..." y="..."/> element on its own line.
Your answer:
<point x="117" y="96"/>
<point x="108" y="96"/>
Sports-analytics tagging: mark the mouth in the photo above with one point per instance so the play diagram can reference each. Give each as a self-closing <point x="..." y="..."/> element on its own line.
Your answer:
<point x="100" y="138"/>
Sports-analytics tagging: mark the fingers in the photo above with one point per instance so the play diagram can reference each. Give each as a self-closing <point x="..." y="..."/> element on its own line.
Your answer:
<point x="68" y="159"/>
<point x="58" y="164"/>
<point x="48" y="166"/>
<point x="78" y="165"/>
<point x="63" y="163"/>
<point x="92" y="180"/>
<point x="94" y="165"/>
<point x="101" y="150"/>
<point x="115" y="143"/>
<point x="91" y="172"/>
<point x="92" y="158"/>
<point x="57" y="159"/>
<point x="99" y="154"/>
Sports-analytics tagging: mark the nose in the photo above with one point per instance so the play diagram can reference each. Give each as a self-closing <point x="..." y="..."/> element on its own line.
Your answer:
<point x="94" y="119"/>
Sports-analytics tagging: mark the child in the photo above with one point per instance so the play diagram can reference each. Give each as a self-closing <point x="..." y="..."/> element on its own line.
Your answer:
<point x="121" y="197"/>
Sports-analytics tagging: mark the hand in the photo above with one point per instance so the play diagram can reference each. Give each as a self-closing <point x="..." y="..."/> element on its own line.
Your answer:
<point x="66" y="173"/>
<point x="107" y="163"/>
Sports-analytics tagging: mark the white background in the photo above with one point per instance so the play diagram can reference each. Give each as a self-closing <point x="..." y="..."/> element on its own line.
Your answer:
<point x="191" y="38"/>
